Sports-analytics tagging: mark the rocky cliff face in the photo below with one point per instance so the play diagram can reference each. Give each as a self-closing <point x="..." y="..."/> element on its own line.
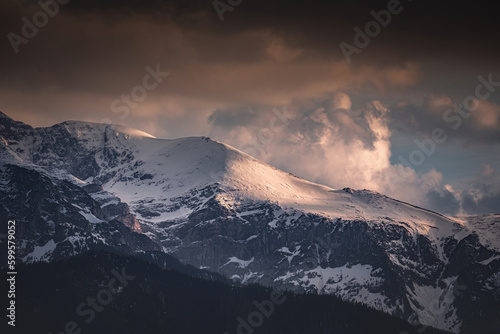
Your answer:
<point x="76" y="185"/>
<point x="381" y="263"/>
<point x="58" y="218"/>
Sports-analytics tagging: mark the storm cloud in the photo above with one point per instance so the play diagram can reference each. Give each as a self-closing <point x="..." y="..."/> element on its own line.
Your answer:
<point x="348" y="121"/>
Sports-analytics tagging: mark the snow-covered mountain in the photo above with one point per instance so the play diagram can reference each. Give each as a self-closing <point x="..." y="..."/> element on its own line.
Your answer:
<point x="217" y="208"/>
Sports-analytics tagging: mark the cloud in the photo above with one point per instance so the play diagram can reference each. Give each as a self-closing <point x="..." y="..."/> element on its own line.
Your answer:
<point x="481" y="195"/>
<point x="486" y="115"/>
<point x="227" y="78"/>
<point x="416" y="120"/>
<point x="475" y="196"/>
<point x="438" y="103"/>
<point x="83" y="59"/>
<point x="444" y="201"/>
<point x="341" y="100"/>
<point x="327" y="141"/>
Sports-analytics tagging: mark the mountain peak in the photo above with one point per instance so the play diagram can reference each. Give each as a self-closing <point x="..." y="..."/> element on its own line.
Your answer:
<point x="5" y="119"/>
<point x="75" y="127"/>
<point x="12" y="129"/>
<point x="215" y="207"/>
<point x="191" y="163"/>
<point x="4" y="116"/>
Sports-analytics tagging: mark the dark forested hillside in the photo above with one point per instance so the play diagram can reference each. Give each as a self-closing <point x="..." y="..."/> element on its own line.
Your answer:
<point x="101" y="292"/>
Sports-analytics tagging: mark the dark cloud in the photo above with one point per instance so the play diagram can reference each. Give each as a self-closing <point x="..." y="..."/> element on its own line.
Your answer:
<point x="227" y="77"/>
<point x="418" y="121"/>
<point x="485" y="205"/>
<point x="443" y="201"/>
<point x="482" y="194"/>
<point x="458" y="32"/>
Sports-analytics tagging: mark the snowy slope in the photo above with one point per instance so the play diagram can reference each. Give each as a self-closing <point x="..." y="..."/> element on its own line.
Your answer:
<point x="217" y="208"/>
<point x="169" y="168"/>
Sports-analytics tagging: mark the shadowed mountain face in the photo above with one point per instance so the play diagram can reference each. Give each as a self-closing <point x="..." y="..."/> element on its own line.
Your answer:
<point x="76" y="186"/>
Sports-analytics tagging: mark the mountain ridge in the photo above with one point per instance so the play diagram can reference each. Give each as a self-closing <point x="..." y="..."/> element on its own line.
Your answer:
<point x="214" y="207"/>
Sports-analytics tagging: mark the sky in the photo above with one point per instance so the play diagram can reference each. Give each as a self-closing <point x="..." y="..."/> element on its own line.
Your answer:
<point x="400" y="97"/>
